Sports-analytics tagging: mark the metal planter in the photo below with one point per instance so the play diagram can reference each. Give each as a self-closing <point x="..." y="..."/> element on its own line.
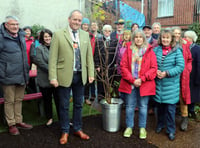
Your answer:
<point x="111" y="114"/>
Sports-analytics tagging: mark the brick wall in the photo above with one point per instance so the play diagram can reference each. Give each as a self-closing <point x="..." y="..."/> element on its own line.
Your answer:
<point x="134" y="4"/>
<point x="183" y="13"/>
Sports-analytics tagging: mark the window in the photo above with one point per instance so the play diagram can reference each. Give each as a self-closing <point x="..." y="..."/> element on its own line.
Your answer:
<point x="165" y="8"/>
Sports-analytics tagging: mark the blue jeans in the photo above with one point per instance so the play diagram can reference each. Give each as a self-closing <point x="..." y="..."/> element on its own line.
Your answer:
<point x="132" y="100"/>
<point x="166" y="116"/>
<point x="78" y="93"/>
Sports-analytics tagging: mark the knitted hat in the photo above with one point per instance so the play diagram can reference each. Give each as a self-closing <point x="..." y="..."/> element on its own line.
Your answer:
<point x="85" y="21"/>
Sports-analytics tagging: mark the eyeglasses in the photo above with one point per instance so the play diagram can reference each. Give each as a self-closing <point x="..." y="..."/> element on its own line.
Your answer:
<point x="17" y="24"/>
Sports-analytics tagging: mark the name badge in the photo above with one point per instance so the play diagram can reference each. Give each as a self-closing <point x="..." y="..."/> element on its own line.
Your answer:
<point x="75" y="45"/>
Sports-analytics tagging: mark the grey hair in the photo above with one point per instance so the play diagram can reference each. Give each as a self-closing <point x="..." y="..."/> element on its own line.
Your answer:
<point x="156" y="23"/>
<point x="139" y="31"/>
<point x="71" y="13"/>
<point x="107" y="27"/>
<point x="8" y="18"/>
<point x="176" y="28"/>
<point x="191" y="34"/>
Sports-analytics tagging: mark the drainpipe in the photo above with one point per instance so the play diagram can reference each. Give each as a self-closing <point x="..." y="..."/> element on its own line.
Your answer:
<point x="142" y="6"/>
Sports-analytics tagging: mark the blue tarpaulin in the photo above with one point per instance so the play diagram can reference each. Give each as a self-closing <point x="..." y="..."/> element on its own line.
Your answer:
<point x="131" y="15"/>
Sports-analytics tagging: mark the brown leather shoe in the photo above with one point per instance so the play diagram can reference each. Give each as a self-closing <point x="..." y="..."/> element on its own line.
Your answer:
<point x="13" y="130"/>
<point x="64" y="138"/>
<point x="24" y="126"/>
<point x="87" y="101"/>
<point x="82" y="135"/>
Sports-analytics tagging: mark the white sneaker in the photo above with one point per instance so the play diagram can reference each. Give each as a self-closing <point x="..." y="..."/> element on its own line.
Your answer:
<point x="128" y="132"/>
<point x="143" y="133"/>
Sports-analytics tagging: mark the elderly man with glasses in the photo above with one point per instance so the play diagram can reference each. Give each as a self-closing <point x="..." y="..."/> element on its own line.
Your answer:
<point x="13" y="72"/>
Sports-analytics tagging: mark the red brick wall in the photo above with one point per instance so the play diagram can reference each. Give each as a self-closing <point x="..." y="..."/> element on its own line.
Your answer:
<point x="134" y="4"/>
<point x="183" y="13"/>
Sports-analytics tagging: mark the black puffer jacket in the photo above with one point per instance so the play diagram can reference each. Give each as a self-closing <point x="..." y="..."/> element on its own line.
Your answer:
<point x="14" y="67"/>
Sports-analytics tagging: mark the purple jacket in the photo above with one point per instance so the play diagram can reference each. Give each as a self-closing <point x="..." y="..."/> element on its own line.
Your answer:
<point x="120" y="52"/>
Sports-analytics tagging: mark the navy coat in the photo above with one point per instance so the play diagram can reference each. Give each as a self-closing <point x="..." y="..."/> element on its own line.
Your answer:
<point x="14" y="68"/>
<point x="195" y="74"/>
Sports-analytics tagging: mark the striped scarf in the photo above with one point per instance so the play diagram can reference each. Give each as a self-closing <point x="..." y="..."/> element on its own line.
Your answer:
<point x="137" y="55"/>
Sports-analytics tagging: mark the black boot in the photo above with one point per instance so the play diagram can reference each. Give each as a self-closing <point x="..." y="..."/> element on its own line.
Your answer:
<point x="184" y="123"/>
<point x="192" y="115"/>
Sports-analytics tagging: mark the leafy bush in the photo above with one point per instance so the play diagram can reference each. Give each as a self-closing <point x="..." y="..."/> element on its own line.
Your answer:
<point x="35" y="29"/>
<point x="196" y="28"/>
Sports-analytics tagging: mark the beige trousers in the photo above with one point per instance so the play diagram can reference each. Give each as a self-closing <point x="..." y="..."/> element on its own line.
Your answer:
<point x="183" y="108"/>
<point x="13" y="95"/>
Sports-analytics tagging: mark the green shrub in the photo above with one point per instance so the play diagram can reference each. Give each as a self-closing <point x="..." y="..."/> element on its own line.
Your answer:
<point x="196" y="28"/>
<point x="35" y="29"/>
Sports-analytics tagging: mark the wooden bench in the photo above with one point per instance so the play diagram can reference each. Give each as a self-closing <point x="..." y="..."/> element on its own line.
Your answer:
<point x="27" y="97"/>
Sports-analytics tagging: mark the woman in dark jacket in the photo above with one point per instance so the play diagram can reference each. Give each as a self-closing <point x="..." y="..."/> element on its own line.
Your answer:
<point x="105" y="57"/>
<point x="42" y="56"/>
<point x="195" y="74"/>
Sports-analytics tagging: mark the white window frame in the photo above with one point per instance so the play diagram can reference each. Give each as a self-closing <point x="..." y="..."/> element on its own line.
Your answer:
<point x="165" y="8"/>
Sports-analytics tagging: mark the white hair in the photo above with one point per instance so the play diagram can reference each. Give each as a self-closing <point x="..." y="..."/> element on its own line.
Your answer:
<point x="105" y="27"/>
<point x="156" y="23"/>
<point x="191" y="34"/>
<point x="8" y="18"/>
<point x="176" y="28"/>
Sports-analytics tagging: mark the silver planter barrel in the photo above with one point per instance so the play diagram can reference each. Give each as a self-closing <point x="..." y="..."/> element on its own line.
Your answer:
<point x="111" y="114"/>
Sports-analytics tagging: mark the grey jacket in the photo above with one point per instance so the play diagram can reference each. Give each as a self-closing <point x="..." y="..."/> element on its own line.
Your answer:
<point x="14" y="68"/>
<point x="41" y="60"/>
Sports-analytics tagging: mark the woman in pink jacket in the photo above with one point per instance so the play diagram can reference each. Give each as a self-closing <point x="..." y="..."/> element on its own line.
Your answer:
<point x="138" y="70"/>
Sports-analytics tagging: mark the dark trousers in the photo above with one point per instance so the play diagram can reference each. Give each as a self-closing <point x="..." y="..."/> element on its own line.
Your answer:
<point x="64" y="95"/>
<point x="166" y="116"/>
<point x="48" y="93"/>
<point x="100" y="90"/>
<point x="191" y="108"/>
<point x="90" y="87"/>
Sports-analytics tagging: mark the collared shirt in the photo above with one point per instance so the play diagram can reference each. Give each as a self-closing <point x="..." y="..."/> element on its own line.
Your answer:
<point x="74" y="40"/>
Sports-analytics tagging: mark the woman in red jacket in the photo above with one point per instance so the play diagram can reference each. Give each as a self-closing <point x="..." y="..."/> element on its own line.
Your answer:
<point x="138" y="70"/>
<point x="29" y="40"/>
<point x="185" y="97"/>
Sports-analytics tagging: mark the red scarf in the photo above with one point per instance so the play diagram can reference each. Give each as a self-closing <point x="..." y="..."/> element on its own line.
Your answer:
<point x="166" y="50"/>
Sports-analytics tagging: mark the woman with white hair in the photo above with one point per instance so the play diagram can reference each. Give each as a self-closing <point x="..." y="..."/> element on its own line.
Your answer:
<point x="104" y="56"/>
<point x="195" y="73"/>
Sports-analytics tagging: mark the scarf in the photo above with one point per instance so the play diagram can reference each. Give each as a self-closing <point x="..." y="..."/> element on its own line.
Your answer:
<point x="166" y="50"/>
<point x="155" y="36"/>
<point x="137" y="55"/>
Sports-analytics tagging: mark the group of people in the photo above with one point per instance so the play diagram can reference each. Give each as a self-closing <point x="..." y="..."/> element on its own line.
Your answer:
<point x="156" y="70"/>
